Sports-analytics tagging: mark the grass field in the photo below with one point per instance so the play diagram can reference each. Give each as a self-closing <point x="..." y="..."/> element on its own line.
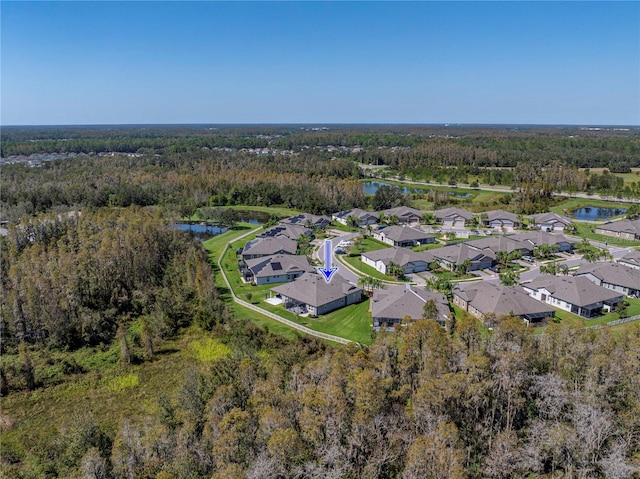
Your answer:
<point x="628" y="178"/>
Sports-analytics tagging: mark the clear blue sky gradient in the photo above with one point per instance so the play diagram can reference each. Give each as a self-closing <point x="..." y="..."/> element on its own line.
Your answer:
<point x="320" y="62"/>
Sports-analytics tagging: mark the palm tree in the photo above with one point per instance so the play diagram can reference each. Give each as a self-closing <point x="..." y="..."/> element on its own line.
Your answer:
<point x="428" y="218"/>
<point x="554" y="268"/>
<point x="509" y="277"/>
<point x="395" y="270"/>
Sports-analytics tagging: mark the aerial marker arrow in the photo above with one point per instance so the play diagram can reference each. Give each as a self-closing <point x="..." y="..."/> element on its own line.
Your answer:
<point x="327" y="271"/>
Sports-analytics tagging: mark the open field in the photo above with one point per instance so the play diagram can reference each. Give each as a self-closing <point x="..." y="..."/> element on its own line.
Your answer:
<point x="628" y="178"/>
<point x="105" y="392"/>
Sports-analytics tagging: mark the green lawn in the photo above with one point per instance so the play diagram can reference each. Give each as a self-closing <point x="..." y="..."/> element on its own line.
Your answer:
<point x="356" y="263"/>
<point x="353" y="322"/>
<point x="369" y="244"/>
<point x="634" y="309"/>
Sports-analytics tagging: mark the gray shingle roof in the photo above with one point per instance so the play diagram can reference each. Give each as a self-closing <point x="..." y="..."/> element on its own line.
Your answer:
<point x="498" y="243"/>
<point x="612" y="273"/>
<point x="404" y="233"/>
<point x="626" y="226"/>
<point x="457" y="253"/>
<point x="400" y="256"/>
<point x="501" y="215"/>
<point x="633" y="257"/>
<point x="356" y="213"/>
<point x="278" y="264"/>
<point x="287" y="230"/>
<point x="542" y="237"/>
<point x="576" y="290"/>
<point x="403" y="212"/>
<point x="501" y="300"/>
<point x="268" y="246"/>
<point x="312" y="289"/>
<point x="550" y="218"/>
<point x="451" y="212"/>
<point x="396" y="302"/>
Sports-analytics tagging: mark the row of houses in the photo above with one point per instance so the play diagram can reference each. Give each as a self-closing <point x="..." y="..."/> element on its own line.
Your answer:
<point x="271" y="259"/>
<point x="454" y="218"/>
<point x="474" y="255"/>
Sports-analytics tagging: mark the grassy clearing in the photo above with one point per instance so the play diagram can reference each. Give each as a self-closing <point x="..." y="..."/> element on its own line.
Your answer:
<point x="208" y="349"/>
<point x="628" y="178"/>
<point x="106" y="393"/>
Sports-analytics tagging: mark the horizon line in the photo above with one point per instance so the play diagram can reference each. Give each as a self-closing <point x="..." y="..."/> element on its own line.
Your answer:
<point x="320" y="124"/>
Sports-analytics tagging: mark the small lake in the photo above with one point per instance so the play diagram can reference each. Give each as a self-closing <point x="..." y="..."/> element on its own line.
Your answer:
<point x="590" y="213"/>
<point x="370" y="188"/>
<point x="201" y="230"/>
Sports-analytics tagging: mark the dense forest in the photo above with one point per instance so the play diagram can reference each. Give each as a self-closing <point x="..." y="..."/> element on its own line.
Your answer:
<point x="314" y="170"/>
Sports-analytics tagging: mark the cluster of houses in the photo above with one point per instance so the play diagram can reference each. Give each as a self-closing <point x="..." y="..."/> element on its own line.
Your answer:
<point x="593" y="289"/>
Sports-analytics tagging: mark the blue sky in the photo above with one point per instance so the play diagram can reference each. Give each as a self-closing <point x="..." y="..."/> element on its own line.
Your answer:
<point x="320" y="62"/>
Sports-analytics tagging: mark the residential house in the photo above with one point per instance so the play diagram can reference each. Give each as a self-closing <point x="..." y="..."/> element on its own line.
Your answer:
<point x="403" y="236"/>
<point x="308" y="221"/>
<point x="613" y="276"/>
<point x="311" y="294"/>
<point x="453" y="217"/>
<point x="550" y="222"/>
<point x="267" y="247"/>
<point x="500" y="220"/>
<point x="279" y="268"/>
<point x="286" y="230"/>
<point x="627" y="229"/>
<point x="410" y="261"/>
<point x="362" y="217"/>
<point x="497" y="243"/>
<point x="631" y="259"/>
<point x="536" y="238"/>
<point x="481" y="299"/>
<point x="453" y="256"/>
<point x="576" y="294"/>
<point x="393" y="303"/>
<point x="405" y="214"/>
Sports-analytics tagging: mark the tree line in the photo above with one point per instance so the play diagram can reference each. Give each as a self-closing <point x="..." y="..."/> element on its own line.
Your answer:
<point x="419" y="403"/>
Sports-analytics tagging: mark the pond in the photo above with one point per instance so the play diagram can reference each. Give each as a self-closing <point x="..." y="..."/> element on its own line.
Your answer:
<point x="201" y="231"/>
<point x="590" y="213"/>
<point x="370" y="188"/>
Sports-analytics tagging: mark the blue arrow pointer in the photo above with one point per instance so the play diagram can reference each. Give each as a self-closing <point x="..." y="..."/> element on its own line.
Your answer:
<point x="327" y="271"/>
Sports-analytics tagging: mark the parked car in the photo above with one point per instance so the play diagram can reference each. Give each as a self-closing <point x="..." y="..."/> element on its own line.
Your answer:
<point x="528" y="259"/>
<point x="494" y="269"/>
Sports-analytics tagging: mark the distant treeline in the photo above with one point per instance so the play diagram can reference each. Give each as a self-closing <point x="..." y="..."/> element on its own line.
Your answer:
<point x="427" y="146"/>
<point x="182" y="183"/>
